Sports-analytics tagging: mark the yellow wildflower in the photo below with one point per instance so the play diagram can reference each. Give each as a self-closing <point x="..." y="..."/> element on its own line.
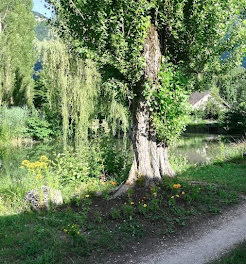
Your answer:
<point x="87" y="196"/>
<point x="39" y="176"/>
<point x="183" y="193"/>
<point x="172" y="197"/>
<point x="131" y="203"/>
<point x="177" y="195"/>
<point x="25" y="162"/>
<point x="145" y="205"/>
<point x="44" y="158"/>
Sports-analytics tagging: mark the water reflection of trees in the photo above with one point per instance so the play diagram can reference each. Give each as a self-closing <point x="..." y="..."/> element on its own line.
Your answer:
<point x="198" y="148"/>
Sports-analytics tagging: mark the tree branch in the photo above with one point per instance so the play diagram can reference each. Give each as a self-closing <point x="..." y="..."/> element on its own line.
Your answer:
<point x="76" y="9"/>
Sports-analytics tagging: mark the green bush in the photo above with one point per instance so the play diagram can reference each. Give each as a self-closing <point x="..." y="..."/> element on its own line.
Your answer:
<point x="100" y="156"/>
<point x="39" y="128"/>
<point x="78" y="167"/>
<point x="13" y="122"/>
<point x="213" y="110"/>
<point x="234" y="120"/>
<point x="198" y="114"/>
<point x="17" y="122"/>
<point x="116" y="157"/>
<point x="115" y="213"/>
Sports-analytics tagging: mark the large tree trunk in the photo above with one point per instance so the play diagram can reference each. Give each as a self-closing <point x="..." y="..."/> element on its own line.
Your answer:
<point x="150" y="157"/>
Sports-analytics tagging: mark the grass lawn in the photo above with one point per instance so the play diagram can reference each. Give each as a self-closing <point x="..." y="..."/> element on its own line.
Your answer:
<point x="237" y="256"/>
<point x="230" y="173"/>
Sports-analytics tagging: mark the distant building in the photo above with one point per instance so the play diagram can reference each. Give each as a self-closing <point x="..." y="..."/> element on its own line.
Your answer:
<point x="199" y="100"/>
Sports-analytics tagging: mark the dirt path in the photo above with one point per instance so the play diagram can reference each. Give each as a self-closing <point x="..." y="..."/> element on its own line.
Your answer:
<point x="201" y="244"/>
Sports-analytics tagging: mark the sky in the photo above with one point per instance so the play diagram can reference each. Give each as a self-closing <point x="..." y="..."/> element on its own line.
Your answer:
<point x="40" y="7"/>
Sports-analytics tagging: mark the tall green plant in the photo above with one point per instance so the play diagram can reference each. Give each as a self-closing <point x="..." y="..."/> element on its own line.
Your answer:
<point x="169" y="104"/>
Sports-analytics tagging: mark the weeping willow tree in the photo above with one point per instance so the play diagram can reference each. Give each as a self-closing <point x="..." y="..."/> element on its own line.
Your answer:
<point x="17" y="56"/>
<point x="72" y="86"/>
<point x="115" y="113"/>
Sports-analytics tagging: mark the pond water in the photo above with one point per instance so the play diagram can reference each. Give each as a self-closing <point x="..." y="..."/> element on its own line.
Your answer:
<point x="200" y="148"/>
<point x="197" y="148"/>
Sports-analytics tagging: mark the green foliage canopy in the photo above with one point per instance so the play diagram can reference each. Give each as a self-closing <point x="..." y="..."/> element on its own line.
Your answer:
<point x="42" y="31"/>
<point x="193" y="36"/>
<point x="232" y="86"/>
<point x="16" y="51"/>
<point x="193" y="33"/>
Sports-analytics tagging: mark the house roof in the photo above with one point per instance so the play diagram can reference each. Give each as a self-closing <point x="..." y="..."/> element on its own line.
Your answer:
<point x="197" y="96"/>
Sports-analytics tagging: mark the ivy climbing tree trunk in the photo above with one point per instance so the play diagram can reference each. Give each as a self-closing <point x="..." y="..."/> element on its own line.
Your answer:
<point x="150" y="157"/>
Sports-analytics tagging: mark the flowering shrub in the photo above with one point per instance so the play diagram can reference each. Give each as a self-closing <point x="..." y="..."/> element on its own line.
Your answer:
<point x="38" y="168"/>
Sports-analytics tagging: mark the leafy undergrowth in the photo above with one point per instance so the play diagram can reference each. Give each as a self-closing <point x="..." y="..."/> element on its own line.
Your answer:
<point x="88" y="228"/>
<point x="237" y="256"/>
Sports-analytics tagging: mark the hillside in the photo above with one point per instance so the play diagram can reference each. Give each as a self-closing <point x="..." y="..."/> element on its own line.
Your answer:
<point x="42" y="29"/>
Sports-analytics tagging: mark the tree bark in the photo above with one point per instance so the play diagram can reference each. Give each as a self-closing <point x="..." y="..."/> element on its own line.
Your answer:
<point x="150" y="157"/>
<point x="165" y="167"/>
